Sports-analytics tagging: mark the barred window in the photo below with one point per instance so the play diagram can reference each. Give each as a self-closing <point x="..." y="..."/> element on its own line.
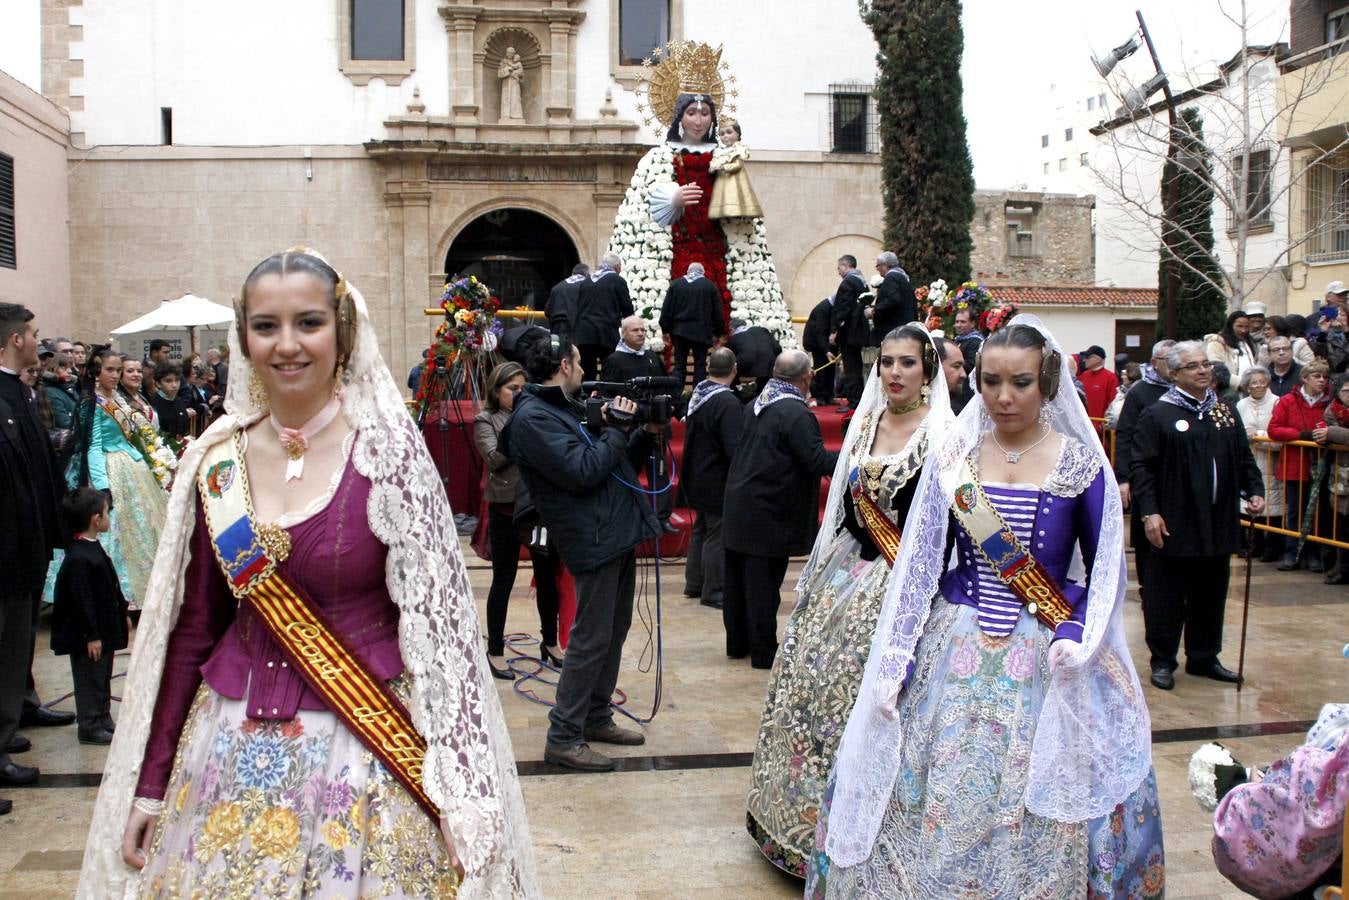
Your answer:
<point x="852" y="118"/>
<point x="1259" y="172"/>
<point x="9" y="257"/>
<point x="1327" y="210"/>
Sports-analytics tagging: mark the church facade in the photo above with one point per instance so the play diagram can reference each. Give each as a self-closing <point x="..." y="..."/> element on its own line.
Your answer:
<point x="409" y="140"/>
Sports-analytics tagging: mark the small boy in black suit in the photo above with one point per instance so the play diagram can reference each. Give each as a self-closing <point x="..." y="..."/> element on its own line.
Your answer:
<point x="89" y="616"/>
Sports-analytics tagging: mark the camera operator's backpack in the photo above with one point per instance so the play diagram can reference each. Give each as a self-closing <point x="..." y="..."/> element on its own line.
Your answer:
<point x="529" y="527"/>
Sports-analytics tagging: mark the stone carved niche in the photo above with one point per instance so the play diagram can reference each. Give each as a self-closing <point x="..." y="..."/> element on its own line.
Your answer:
<point x="543" y="32"/>
<point x="488" y="62"/>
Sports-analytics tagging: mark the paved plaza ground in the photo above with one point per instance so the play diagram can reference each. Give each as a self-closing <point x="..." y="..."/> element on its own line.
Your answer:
<point x="670" y="822"/>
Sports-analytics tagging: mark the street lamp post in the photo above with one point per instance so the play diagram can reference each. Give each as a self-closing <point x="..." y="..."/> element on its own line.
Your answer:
<point x="1170" y="188"/>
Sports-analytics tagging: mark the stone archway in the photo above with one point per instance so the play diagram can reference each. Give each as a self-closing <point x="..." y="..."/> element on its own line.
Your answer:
<point x="519" y="253"/>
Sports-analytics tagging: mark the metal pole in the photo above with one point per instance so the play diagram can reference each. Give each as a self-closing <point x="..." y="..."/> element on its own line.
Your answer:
<point x="1169" y="192"/>
<point x="1245" y="606"/>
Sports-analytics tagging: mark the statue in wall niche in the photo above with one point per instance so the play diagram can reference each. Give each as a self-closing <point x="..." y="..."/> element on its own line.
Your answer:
<point x="511" y="72"/>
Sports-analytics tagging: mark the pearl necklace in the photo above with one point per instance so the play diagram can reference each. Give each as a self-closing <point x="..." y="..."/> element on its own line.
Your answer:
<point x="1014" y="456"/>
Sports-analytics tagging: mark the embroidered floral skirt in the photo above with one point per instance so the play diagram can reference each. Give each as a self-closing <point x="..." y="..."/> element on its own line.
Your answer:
<point x="956" y="825"/>
<point x="288" y="809"/>
<point x="814" y="683"/>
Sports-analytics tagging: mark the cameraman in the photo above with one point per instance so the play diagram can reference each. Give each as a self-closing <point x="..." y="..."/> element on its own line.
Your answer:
<point x="581" y="485"/>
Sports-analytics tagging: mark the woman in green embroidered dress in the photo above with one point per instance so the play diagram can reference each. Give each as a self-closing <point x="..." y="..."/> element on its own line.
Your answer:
<point x="819" y="665"/>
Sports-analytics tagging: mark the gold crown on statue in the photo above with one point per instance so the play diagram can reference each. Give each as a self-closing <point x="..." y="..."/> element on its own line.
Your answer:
<point x="683" y="67"/>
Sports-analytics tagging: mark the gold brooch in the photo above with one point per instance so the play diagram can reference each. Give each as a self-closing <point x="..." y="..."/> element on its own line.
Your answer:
<point x="275" y="541"/>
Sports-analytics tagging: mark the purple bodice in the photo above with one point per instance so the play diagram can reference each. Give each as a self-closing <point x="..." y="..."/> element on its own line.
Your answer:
<point x="1049" y="526"/>
<point x="337" y="561"/>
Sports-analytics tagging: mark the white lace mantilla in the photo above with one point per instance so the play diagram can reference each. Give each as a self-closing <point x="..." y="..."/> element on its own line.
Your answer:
<point x="470" y="768"/>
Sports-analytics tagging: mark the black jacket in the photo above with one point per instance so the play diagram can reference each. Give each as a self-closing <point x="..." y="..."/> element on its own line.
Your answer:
<point x="623" y="366"/>
<point x="755" y="351"/>
<point x="600" y="307"/>
<point x="88" y="602"/>
<point x="30" y="459"/>
<point x="711" y="435"/>
<point x="692" y="311"/>
<point x="172" y="414"/>
<point x="573" y="478"/>
<point x="562" y="306"/>
<point x="896" y="305"/>
<point x="819" y="325"/>
<point x="1172" y="469"/>
<point x="1136" y="399"/>
<point x="772" y="502"/>
<point x="848" y="319"/>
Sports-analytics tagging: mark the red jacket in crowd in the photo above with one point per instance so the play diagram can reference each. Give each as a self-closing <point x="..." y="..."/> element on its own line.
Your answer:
<point x="1294" y="419"/>
<point x="1101" y="385"/>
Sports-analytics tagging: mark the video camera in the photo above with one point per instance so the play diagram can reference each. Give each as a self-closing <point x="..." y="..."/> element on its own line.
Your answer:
<point x="654" y="396"/>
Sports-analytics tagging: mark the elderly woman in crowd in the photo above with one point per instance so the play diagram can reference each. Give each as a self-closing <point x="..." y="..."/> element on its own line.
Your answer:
<point x="1300" y="415"/>
<point x="1256" y="408"/>
<point x="503" y="486"/>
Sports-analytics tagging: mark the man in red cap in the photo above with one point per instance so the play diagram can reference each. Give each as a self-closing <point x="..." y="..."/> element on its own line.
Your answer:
<point x="1101" y="384"/>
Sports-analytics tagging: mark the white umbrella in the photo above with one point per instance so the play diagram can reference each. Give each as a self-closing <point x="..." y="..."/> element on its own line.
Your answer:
<point x="188" y="311"/>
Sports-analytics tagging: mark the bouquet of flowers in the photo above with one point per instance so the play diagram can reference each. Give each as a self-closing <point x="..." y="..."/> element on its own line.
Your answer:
<point x="463" y="349"/>
<point x="997" y="316"/>
<point x="161" y="459"/>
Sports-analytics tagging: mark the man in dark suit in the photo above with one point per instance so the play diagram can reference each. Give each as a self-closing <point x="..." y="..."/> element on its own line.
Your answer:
<point x="711" y="432"/>
<point x="896" y="303"/>
<point x="691" y="316"/>
<point x="755" y="350"/>
<point x="1156" y="381"/>
<point x="771" y="507"/>
<point x="602" y="303"/>
<point x="631" y="359"/>
<point x="815" y="341"/>
<point x="850" y="329"/>
<point x="29" y="530"/>
<point x="563" y="299"/>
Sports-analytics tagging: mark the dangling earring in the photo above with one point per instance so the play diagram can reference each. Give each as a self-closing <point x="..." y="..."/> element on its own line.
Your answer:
<point x="257" y="391"/>
<point x="926" y="393"/>
<point x="338" y="376"/>
<point x="1046" y="414"/>
<point x="681" y="131"/>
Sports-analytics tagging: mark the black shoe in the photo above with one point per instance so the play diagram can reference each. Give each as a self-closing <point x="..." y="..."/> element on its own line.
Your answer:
<point x="1287" y="565"/>
<point x="504" y="674"/>
<point x="1163" y="679"/>
<point x="19" y="744"/>
<point x="1212" y="669"/>
<point x="1315" y="565"/>
<point x="692" y="595"/>
<point x="15" y="775"/>
<point x="1341" y="577"/>
<point x="548" y="657"/>
<point x="102" y="737"/>
<point x="713" y="602"/>
<point x="45" y="718"/>
<point x="5" y="807"/>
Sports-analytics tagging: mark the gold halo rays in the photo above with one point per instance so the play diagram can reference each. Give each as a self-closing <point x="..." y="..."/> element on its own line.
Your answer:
<point x="683" y="67"/>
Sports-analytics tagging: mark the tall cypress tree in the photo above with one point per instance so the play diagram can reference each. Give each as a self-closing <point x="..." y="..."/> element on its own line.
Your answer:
<point x="927" y="179"/>
<point x="1202" y="308"/>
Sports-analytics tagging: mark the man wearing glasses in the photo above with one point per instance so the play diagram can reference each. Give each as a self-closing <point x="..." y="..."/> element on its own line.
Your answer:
<point x="1190" y="468"/>
<point x="1284" y="374"/>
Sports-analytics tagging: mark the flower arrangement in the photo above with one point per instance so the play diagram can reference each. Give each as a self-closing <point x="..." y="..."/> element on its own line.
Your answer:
<point x="940" y="306"/>
<point x="463" y="349"/>
<point x="997" y="316"/>
<point x="753" y="291"/>
<point x="142" y="435"/>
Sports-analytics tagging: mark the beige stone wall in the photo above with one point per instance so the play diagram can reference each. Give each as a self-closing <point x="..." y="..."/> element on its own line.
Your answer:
<point x="154" y="223"/>
<point x="35" y="133"/>
<point x="1062" y="246"/>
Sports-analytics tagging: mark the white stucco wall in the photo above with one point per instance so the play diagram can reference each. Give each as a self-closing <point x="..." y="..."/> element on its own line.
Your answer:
<point x="262" y="73"/>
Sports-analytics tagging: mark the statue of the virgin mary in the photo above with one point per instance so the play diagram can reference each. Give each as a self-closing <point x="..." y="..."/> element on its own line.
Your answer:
<point x="662" y="225"/>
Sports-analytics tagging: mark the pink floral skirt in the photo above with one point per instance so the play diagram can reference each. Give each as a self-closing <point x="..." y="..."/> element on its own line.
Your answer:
<point x="288" y="809"/>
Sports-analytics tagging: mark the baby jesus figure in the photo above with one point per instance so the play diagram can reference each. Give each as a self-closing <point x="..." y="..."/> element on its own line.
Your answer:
<point x="732" y="195"/>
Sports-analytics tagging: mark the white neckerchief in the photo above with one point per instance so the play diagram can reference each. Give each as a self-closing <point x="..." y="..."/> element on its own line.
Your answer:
<point x="1311" y="401"/>
<point x="624" y="348"/>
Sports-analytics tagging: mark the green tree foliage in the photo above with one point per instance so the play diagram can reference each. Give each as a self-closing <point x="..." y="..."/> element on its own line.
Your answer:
<point x="1202" y="308"/>
<point x="927" y="178"/>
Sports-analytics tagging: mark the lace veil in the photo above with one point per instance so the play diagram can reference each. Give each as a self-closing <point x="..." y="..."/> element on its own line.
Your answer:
<point x="938" y="419"/>
<point x="1092" y="745"/>
<point x="470" y="768"/>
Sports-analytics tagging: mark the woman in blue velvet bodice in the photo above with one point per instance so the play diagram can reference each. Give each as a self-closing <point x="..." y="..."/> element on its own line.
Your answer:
<point x="990" y="753"/>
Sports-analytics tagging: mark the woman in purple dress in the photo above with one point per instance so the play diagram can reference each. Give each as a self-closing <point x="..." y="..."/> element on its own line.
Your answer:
<point x="1000" y="743"/>
<point x="308" y="710"/>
